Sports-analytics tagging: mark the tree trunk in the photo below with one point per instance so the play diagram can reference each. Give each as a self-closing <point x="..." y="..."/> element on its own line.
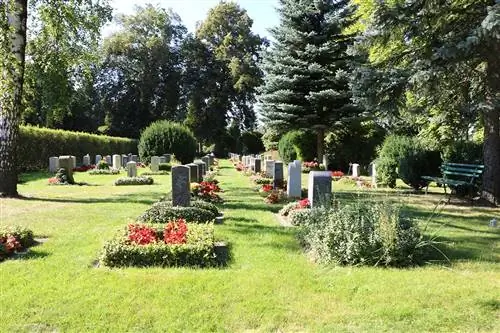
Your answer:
<point x="13" y="14"/>
<point x="320" y="143"/>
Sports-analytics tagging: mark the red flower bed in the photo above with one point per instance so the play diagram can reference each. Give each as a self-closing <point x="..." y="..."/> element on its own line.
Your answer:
<point x="175" y="232"/>
<point x="312" y="165"/>
<point x="267" y="188"/>
<point x="141" y="234"/>
<point x="84" y="168"/>
<point x="337" y="174"/>
<point x="304" y="203"/>
<point x="207" y="191"/>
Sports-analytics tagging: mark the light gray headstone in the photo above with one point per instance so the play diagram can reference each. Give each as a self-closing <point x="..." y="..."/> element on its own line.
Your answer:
<point x="53" y="164"/>
<point x="206" y="160"/>
<point x="278" y="174"/>
<point x="270" y="168"/>
<point x="109" y="160"/>
<point x="163" y="159"/>
<point x="73" y="161"/>
<point x="355" y="170"/>
<point x="257" y="165"/>
<point x="155" y="161"/>
<point x="168" y="158"/>
<point x="181" y="186"/>
<point x="194" y="174"/>
<point x="211" y="159"/>
<point x="98" y="159"/>
<point x="319" y="188"/>
<point x="131" y="169"/>
<point x="294" y="181"/>
<point x="66" y="162"/>
<point x="86" y="160"/>
<point x="117" y="161"/>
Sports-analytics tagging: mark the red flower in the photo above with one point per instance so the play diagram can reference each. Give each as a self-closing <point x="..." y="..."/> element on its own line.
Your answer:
<point x="175" y="232"/>
<point x="267" y="188"/>
<point x="10" y="243"/>
<point x="304" y="203"/>
<point x="337" y="174"/>
<point x="141" y="234"/>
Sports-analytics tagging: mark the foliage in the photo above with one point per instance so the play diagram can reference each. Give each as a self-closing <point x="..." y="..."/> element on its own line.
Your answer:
<point x="362" y="233"/>
<point x="260" y="180"/>
<point x="391" y="152"/>
<point x="36" y="145"/>
<point x="467" y="152"/>
<point x="163" y="211"/>
<point x="103" y="165"/>
<point x="165" y="136"/>
<point x="206" y="206"/>
<point x="416" y="163"/>
<point x="197" y="251"/>
<point x="252" y="143"/>
<point x="143" y="180"/>
<point x="306" y="82"/>
<point x="23" y="235"/>
<point x="165" y="167"/>
<point x="275" y="196"/>
<point x="175" y="232"/>
<point x="293" y="206"/>
<point x="109" y="171"/>
<point x="309" y="166"/>
<point x="62" y="177"/>
<point x="286" y="147"/>
<point x="206" y="191"/>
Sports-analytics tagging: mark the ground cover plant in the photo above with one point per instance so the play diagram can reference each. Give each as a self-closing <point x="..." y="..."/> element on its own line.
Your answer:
<point x="141" y="180"/>
<point x="270" y="285"/>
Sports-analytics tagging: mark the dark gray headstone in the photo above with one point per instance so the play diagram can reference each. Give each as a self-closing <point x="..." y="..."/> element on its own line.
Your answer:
<point x="163" y="159"/>
<point x="98" y="158"/>
<point x="181" y="186"/>
<point x="270" y="168"/>
<point x="194" y="173"/>
<point x="320" y="188"/>
<point x="278" y="174"/>
<point x="124" y="159"/>
<point x="206" y="160"/>
<point x="210" y="159"/>
<point x="168" y="158"/>
<point x="201" y="169"/>
<point x="134" y="158"/>
<point x="257" y="165"/>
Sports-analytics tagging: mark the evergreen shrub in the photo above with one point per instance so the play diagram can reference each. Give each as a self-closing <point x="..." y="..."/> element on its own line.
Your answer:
<point x="299" y="145"/>
<point x="134" y="181"/>
<point x="166" y="136"/>
<point x="466" y="152"/>
<point x="163" y="211"/>
<point x="252" y="142"/>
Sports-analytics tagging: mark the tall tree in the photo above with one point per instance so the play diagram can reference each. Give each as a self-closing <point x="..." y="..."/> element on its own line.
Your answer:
<point x="13" y="16"/>
<point x="227" y="32"/>
<point x="306" y="81"/>
<point x="141" y="74"/>
<point x="416" y="48"/>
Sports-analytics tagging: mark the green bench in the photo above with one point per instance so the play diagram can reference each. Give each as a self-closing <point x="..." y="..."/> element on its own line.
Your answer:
<point x="456" y="175"/>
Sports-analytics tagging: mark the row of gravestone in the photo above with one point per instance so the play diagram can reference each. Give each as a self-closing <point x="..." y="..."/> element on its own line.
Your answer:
<point x="319" y="182"/>
<point x="184" y="175"/>
<point x="68" y="164"/>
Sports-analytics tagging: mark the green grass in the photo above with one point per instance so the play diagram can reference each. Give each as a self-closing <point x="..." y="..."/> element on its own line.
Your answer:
<point x="270" y="285"/>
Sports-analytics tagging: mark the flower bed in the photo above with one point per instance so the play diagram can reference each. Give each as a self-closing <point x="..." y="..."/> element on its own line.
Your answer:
<point x="312" y="166"/>
<point x="207" y="191"/>
<point x="336" y="175"/>
<point x="293" y="206"/>
<point x="14" y="239"/>
<point x="109" y="171"/>
<point x="134" y="181"/>
<point x="275" y="197"/>
<point x="175" y="244"/>
<point x="259" y="180"/>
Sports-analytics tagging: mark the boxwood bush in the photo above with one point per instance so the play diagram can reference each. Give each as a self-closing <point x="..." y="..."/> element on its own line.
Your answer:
<point x="364" y="232"/>
<point x="163" y="211"/>
<point x="110" y="171"/>
<point x="143" y="180"/>
<point x="164" y="167"/>
<point x="198" y="251"/>
<point x="166" y="136"/>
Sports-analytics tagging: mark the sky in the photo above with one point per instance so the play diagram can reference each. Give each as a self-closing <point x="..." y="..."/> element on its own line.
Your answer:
<point x="262" y="12"/>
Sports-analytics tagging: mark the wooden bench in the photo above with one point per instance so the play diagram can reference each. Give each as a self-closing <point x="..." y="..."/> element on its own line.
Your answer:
<point x="457" y="175"/>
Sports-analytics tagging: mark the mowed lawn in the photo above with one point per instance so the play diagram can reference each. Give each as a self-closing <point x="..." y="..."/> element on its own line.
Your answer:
<point x="270" y="285"/>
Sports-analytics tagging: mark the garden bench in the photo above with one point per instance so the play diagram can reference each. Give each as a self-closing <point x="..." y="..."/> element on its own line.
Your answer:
<point x="457" y="175"/>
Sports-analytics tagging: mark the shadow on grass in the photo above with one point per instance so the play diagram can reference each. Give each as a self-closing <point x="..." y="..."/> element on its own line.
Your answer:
<point x="287" y="239"/>
<point x="33" y="176"/>
<point x="262" y="206"/>
<point x="29" y="255"/>
<point x="127" y="198"/>
<point x="466" y="247"/>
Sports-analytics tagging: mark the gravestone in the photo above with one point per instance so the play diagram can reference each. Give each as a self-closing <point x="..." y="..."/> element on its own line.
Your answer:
<point x="210" y="159"/>
<point x="252" y="162"/>
<point x="134" y="158"/>
<point x="319" y="188"/>
<point x="86" y="160"/>
<point x="98" y="159"/>
<point x="131" y="169"/>
<point x="168" y="158"/>
<point x="124" y="159"/>
<point x="66" y="162"/>
<point x="355" y="170"/>
<point x="257" y="165"/>
<point x="207" y="162"/>
<point x="154" y="165"/>
<point x="181" y="187"/>
<point x="278" y="174"/>
<point x="294" y="181"/>
<point x="108" y="160"/>
<point x="73" y="161"/>
<point x="374" y="175"/>
<point x="53" y="164"/>
<point x="270" y="168"/>
<point x="201" y="169"/>
<point x="163" y="159"/>
<point x="193" y="172"/>
<point x="117" y="161"/>
<point x="240" y="158"/>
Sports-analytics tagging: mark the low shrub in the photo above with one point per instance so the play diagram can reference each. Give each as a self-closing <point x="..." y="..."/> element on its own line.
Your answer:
<point x="292" y="206"/>
<point x="276" y="197"/>
<point x="206" y="191"/>
<point x="110" y="171"/>
<point x="364" y="232"/>
<point x="165" y="167"/>
<point x="300" y="217"/>
<point x="102" y="165"/>
<point x="134" y="181"/>
<point x="163" y="211"/>
<point x="165" y="246"/>
<point x="154" y="173"/>
<point x="14" y="239"/>
<point x="195" y="203"/>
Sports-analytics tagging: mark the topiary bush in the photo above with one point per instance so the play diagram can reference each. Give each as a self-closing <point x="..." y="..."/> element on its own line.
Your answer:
<point x="286" y="147"/>
<point x="165" y="136"/>
<point x="391" y="152"/>
<point x="134" y="181"/>
<point x="164" y="167"/>
<point x="163" y="211"/>
<point x="364" y="232"/>
<point x="297" y="145"/>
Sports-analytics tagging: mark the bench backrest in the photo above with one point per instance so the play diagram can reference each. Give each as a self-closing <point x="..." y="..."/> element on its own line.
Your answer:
<point x="463" y="171"/>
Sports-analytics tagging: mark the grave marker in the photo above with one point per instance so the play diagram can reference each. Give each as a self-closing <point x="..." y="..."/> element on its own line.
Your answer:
<point x="181" y="195"/>
<point x="319" y="188"/>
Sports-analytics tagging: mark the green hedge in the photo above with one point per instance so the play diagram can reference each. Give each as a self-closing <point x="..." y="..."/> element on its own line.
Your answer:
<point x="134" y="181"/>
<point x="197" y="252"/>
<point x="162" y="212"/>
<point x="36" y="145"/>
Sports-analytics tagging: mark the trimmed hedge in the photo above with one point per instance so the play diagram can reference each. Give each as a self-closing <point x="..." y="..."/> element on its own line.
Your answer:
<point x="163" y="211"/>
<point x="36" y="145"/>
<point x="134" y="181"/>
<point x="197" y="252"/>
<point x="104" y="172"/>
